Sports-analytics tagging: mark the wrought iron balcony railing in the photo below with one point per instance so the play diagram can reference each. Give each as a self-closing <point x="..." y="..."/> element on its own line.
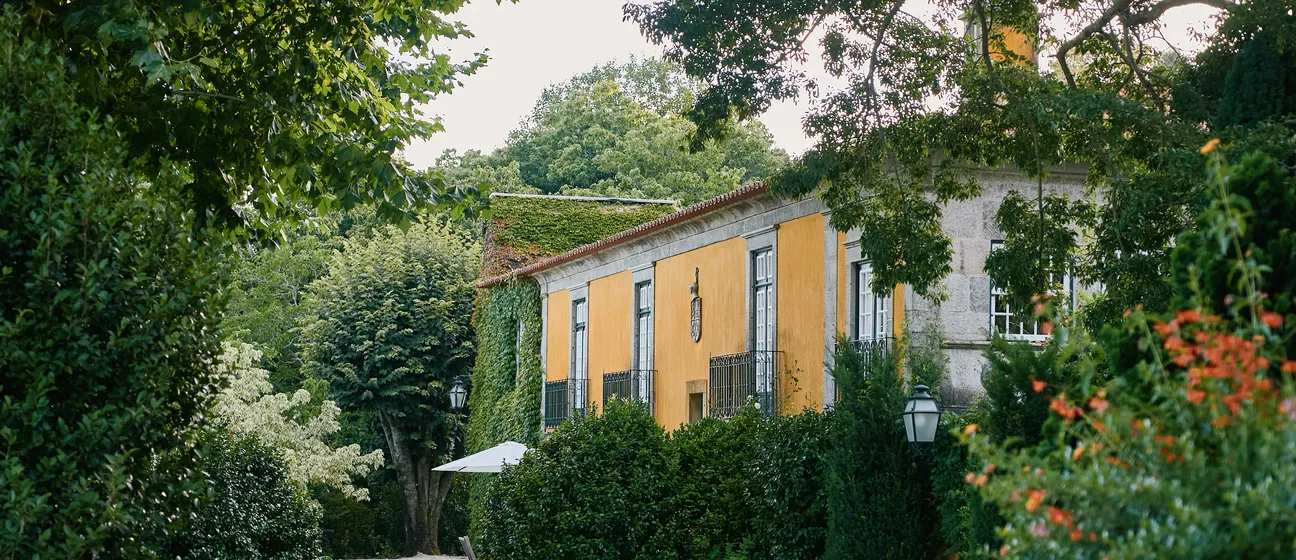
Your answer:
<point x="635" y="385"/>
<point x="869" y="349"/>
<point x="747" y="377"/>
<point x="564" y="399"/>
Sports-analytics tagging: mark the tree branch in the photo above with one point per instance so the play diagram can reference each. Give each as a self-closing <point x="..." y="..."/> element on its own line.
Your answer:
<point x="1120" y="10"/>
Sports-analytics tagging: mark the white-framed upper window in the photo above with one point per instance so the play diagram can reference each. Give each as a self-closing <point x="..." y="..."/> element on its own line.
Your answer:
<point x="763" y="301"/>
<point x="580" y="352"/>
<point x="643" y="326"/>
<point x="1020" y="324"/>
<point x="871" y="310"/>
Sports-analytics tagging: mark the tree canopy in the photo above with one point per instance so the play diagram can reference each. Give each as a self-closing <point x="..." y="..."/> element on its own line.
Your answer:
<point x="265" y="104"/>
<point x="618" y="130"/>
<point x="925" y="98"/>
<point x="390" y="331"/>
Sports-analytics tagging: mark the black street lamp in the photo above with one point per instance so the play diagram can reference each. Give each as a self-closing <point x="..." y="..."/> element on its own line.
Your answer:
<point x="921" y="416"/>
<point x="458" y="395"/>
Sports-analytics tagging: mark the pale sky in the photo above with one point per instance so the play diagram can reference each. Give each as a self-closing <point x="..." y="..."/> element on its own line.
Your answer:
<point x="535" y="43"/>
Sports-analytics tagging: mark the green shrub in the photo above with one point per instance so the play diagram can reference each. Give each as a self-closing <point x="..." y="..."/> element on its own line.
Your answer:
<point x="255" y="512"/>
<point x="785" y="481"/>
<point x="710" y="508"/>
<point x="879" y="496"/>
<point x="108" y="307"/>
<point x="1189" y="451"/>
<point x="968" y="523"/>
<point x="593" y="490"/>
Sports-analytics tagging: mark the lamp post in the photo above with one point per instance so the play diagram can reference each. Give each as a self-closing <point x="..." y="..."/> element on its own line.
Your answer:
<point x="458" y="395"/>
<point x="921" y="416"/>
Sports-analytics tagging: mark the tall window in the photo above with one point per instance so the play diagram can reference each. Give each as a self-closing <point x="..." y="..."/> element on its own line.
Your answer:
<point x="870" y="309"/>
<point x="580" y="353"/>
<point x="763" y="314"/>
<point x="1014" y="324"/>
<point x="643" y="326"/>
<point x="643" y="333"/>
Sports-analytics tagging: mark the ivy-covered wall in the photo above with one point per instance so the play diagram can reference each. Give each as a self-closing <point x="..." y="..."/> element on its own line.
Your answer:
<point x="524" y="229"/>
<point x="504" y="402"/>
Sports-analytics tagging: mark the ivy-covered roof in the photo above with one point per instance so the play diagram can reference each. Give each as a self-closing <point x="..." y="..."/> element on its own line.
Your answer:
<point x="524" y="229"/>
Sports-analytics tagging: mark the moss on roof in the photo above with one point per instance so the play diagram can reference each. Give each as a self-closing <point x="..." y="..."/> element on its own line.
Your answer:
<point x="523" y="230"/>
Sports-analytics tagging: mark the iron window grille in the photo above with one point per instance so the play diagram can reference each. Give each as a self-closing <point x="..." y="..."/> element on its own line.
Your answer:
<point x="633" y="385"/>
<point x="557" y="405"/>
<point x="564" y="399"/>
<point x="735" y="380"/>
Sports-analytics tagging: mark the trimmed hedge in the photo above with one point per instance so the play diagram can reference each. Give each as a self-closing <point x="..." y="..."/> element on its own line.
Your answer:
<point x="593" y="490"/>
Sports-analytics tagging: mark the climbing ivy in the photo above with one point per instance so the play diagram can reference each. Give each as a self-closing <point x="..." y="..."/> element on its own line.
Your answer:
<point x="506" y="381"/>
<point x="525" y="229"/>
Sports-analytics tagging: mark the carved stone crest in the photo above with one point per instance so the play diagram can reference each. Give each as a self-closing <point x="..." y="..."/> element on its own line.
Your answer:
<point x="695" y="306"/>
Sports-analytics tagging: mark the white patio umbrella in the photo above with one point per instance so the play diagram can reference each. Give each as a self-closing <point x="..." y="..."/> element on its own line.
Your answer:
<point x="490" y="460"/>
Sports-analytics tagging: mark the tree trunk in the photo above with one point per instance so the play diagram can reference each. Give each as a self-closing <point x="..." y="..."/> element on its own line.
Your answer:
<point x="424" y="489"/>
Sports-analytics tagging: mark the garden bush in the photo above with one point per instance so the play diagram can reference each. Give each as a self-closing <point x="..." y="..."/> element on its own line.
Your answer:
<point x="255" y="510"/>
<point x="786" y="492"/>
<point x="106" y="352"/>
<point x="594" y="489"/>
<point x="710" y="508"/>
<point x="1195" y="434"/>
<point x="879" y="494"/>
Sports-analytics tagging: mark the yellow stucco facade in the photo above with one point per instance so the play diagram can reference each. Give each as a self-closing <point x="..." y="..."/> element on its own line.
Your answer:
<point x="558" y="323"/>
<point x="799" y="293"/>
<point x="722" y="273"/>
<point x="610" y="306"/>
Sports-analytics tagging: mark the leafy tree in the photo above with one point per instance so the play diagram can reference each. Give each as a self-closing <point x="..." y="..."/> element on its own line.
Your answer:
<point x="106" y="356"/>
<point x="617" y="131"/>
<point x="266" y="103"/>
<point x="887" y="157"/>
<point x="256" y="510"/>
<point x="269" y="285"/>
<point x="390" y="333"/>
<point x="1195" y="437"/>
<point x="248" y="407"/>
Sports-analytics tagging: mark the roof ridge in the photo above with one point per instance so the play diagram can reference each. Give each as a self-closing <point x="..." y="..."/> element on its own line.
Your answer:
<point x="586" y="198"/>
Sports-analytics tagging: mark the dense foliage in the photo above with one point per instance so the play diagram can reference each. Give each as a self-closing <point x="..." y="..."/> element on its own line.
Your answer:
<point x="390" y="334"/>
<point x="522" y="230"/>
<point x="879" y="497"/>
<point x="617" y="130"/>
<point x="293" y="425"/>
<point x="596" y="488"/>
<point x="106" y="299"/>
<point x="256" y="510"/>
<point x="747" y="488"/>
<point x="1195" y="437"/>
<point x="925" y="96"/>
<point x="268" y="104"/>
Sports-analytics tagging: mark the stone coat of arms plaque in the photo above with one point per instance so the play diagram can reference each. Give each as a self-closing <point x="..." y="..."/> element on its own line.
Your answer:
<point x="695" y="308"/>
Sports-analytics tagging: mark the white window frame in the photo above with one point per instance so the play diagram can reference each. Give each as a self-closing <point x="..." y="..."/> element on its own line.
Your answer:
<point x="764" y="302"/>
<point x="643" y="325"/>
<point x="872" y="313"/>
<point x="580" y="352"/>
<point x="1023" y="331"/>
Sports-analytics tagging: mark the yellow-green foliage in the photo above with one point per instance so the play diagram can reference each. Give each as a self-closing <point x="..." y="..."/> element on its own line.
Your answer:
<point x="524" y="229"/>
